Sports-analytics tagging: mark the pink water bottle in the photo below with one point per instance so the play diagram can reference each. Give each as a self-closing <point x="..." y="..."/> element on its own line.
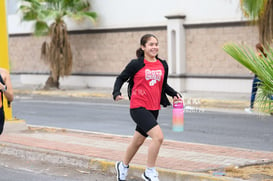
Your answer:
<point x="178" y="116"/>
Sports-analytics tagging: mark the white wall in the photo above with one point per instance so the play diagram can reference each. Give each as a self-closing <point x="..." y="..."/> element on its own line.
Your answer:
<point x="210" y="10"/>
<point x="139" y="13"/>
<point x="124" y="13"/>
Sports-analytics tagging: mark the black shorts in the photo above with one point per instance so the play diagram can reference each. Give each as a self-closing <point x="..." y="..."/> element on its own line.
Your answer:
<point x="145" y="119"/>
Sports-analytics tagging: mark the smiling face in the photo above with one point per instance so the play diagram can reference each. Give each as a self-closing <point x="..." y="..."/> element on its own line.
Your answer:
<point x="150" y="48"/>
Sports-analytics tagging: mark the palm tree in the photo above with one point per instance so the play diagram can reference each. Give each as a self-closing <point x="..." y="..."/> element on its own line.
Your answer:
<point x="48" y="17"/>
<point x="260" y="12"/>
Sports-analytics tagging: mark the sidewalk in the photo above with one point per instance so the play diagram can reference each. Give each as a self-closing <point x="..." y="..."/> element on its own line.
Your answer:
<point x="177" y="160"/>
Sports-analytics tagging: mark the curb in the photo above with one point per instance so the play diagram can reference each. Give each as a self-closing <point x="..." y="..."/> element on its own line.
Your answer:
<point x="69" y="93"/>
<point x="15" y="125"/>
<point x="68" y="159"/>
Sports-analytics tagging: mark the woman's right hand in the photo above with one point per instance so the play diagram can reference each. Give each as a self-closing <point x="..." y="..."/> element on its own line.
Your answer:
<point x="119" y="97"/>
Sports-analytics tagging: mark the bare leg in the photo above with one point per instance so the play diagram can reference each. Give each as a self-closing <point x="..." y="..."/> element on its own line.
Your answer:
<point x="157" y="138"/>
<point x="133" y="147"/>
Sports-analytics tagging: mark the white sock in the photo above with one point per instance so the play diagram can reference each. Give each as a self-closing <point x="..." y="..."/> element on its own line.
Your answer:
<point x="125" y="166"/>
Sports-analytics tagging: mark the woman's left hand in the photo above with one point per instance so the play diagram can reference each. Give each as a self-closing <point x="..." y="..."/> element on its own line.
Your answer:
<point x="177" y="97"/>
<point x="2" y="86"/>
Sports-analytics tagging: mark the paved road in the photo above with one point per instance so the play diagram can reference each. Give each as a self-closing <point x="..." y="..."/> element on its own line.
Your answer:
<point x="104" y="115"/>
<point x="15" y="169"/>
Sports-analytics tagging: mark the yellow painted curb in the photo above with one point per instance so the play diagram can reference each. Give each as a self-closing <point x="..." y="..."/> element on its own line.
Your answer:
<point x="15" y="125"/>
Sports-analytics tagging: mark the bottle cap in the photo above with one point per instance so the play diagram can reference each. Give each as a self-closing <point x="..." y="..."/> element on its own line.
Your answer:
<point x="178" y="103"/>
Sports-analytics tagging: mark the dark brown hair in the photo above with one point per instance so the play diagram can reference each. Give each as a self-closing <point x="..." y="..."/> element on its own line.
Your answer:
<point x="260" y="48"/>
<point x="143" y="41"/>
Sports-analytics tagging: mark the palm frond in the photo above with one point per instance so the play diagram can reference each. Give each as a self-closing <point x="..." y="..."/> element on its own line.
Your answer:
<point x="30" y="16"/>
<point x="83" y="15"/>
<point x="91" y="15"/>
<point x="240" y="54"/>
<point x="44" y="52"/>
<point x="253" y="9"/>
<point x="41" y="28"/>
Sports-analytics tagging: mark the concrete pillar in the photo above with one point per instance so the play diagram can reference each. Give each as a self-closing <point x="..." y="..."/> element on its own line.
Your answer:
<point x="176" y="44"/>
<point x="176" y="51"/>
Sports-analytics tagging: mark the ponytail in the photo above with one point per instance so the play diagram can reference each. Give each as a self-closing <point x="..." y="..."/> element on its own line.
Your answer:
<point x="139" y="53"/>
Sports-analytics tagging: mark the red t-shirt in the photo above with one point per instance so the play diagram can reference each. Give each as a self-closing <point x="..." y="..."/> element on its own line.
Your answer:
<point x="147" y="87"/>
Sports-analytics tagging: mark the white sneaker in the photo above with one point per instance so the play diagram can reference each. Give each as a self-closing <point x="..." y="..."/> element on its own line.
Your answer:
<point x="249" y="110"/>
<point x="121" y="171"/>
<point x="150" y="175"/>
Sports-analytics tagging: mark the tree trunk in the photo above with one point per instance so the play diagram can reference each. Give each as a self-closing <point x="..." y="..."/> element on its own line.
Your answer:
<point x="51" y="84"/>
